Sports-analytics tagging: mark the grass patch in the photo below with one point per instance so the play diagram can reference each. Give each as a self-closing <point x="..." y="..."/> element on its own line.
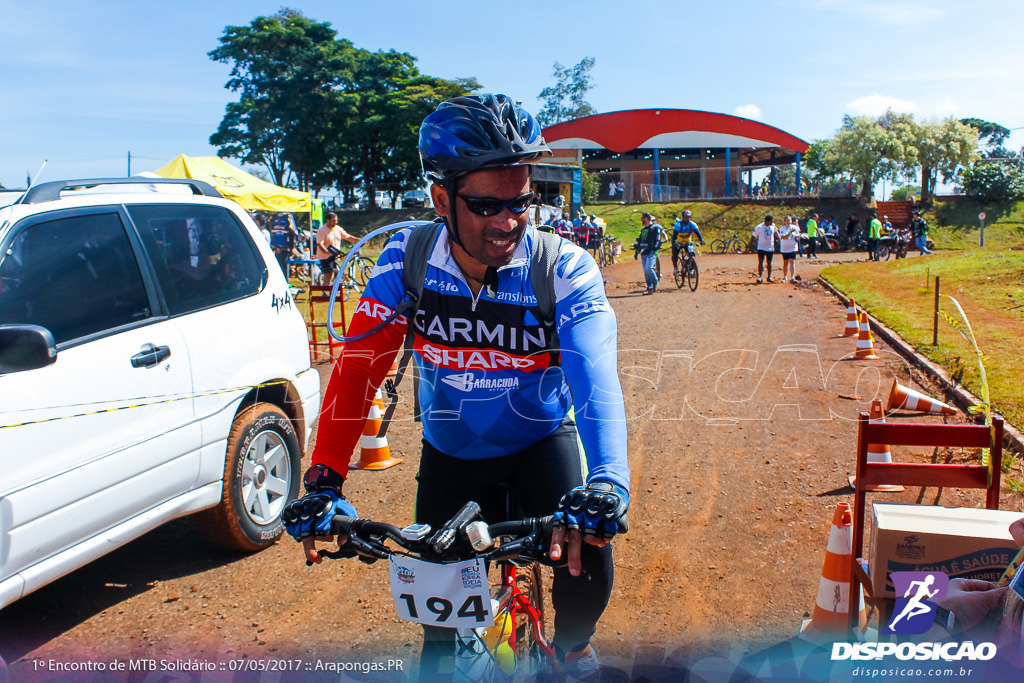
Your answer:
<point x="987" y="283"/>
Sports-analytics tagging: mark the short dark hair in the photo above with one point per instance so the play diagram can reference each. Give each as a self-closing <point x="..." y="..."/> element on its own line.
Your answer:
<point x="768" y="217"/>
<point x="330" y="214"/>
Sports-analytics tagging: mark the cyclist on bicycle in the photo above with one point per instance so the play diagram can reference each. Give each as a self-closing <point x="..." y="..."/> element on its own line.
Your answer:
<point x="681" y="232"/>
<point x="328" y="244"/>
<point x="496" y="413"/>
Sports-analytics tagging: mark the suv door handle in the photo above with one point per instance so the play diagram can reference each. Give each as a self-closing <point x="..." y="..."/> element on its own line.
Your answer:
<point x="150" y="356"/>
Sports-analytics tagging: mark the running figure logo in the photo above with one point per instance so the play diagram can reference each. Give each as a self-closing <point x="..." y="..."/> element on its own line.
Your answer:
<point x="915" y="611"/>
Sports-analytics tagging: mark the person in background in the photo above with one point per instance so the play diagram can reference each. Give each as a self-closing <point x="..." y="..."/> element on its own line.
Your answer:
<point x="874" y="234"/>
<point x="766" y="234"/>
<point x="919" y="229"/>
<point x="789" y="238"/>
<point x="328" y="243"/>
<point x="647" y="245"/>
<point x="682" y="230"/>
<point x="852" y="229"/>
<point x="282" y="241"/>
<point x="812" y="236"/>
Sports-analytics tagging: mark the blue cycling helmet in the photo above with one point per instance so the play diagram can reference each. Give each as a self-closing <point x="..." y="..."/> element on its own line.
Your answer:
<point x="466" y="134"/>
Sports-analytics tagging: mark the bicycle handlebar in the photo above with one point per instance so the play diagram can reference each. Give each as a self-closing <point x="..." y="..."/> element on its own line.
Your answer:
<point x="367" y="539"/>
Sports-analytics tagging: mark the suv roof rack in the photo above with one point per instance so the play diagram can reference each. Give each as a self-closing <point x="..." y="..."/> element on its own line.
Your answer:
<point x="48" y="192"/>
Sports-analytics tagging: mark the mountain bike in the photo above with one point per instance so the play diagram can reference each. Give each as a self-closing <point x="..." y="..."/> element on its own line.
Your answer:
<point x="355" y="277"/>
<point x="687" y="267"/>
<point x="610" y="248"/>
<point x="732" y="244"/>
<point x="441" y="579"/>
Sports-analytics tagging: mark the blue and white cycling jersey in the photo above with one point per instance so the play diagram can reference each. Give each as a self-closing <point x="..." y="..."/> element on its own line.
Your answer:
<point x="488" y="386"/>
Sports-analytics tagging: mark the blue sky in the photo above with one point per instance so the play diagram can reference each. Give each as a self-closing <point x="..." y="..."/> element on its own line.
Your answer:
<point x="85" y="83"/>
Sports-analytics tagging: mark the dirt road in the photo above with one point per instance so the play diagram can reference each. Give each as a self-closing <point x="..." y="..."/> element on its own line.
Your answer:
<point x="741" y="400"/>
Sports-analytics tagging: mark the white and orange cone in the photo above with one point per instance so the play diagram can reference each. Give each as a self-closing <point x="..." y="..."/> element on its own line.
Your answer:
<point x="865" y="342"/>
<point x="904" y="398"/>
<point x="851" y="328"/>
<point x="375" y="454"/>
<point x="830" y="621"/>
<point x="878" y="452"/>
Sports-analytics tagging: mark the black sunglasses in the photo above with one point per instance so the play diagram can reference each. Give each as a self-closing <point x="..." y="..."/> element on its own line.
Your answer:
<point x="492" y="206"/>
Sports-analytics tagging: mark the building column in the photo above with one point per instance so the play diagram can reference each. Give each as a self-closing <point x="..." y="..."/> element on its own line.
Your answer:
<point x="728" y="170"/>
<point x="798" y="192"/>
<point x="703" y="178"/>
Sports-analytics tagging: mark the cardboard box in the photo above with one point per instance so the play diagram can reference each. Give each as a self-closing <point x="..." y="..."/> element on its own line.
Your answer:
<point x="961" y="542"/>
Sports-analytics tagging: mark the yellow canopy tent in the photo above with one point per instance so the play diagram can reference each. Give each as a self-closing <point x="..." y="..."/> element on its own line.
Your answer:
<point x="246" y="189"/>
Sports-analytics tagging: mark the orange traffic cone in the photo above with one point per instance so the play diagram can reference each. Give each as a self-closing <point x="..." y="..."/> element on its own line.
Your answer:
<point x="829" y="622"/>
<point x="375" y="453"/>
<point x="901" y="397"/>
<point x="865" y="342"/>
<point x="393" y="372"/>
<point x="878" y="452"/>
<point x="851" y="327"/>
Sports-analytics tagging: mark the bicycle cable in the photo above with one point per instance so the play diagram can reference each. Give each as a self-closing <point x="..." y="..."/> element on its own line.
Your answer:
<point x="340" y="276"/>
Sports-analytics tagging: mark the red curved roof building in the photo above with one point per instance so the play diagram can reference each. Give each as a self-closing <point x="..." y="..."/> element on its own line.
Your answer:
<point x="702" y="154"/>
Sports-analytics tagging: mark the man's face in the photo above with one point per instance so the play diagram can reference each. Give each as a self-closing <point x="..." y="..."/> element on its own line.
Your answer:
<point x="490" y="240"/>
<point x="331" y="221"/>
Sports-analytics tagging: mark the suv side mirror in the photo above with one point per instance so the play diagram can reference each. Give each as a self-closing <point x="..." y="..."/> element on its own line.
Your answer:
<point x="25" y="347"/>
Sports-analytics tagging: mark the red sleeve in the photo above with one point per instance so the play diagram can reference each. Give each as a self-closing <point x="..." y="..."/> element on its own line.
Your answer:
<point x="357" y="374"/>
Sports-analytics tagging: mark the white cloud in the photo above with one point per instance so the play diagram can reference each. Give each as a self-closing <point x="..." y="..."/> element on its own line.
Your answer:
<point x="876" y="105"/>
<point x="748" y="111"/>
<point x="906" y="17"/>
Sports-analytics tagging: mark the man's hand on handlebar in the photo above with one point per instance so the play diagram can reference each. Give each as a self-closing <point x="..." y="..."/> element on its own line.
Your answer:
<point x="308" y="519"/>
<point x="592" y="514"/>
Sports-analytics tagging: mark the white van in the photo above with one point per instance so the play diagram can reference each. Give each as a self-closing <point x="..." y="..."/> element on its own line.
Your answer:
<point x="152" y="365"/>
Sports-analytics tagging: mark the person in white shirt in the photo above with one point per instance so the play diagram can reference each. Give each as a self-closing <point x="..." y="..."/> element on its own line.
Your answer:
<point x="789" y="244"/>
<point x="765" y="233"/>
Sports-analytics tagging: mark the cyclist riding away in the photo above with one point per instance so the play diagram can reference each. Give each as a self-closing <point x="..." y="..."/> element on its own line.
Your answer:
<point x="495" y="388"/>
<point x="681" y="232"/>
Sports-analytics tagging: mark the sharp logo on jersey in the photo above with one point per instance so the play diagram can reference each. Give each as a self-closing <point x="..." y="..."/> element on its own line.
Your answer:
<point x="480" y="359"/>
<point x="468" y="382"/>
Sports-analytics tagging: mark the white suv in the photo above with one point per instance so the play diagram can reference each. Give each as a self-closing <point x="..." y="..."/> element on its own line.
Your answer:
<point x="152" y="364"/>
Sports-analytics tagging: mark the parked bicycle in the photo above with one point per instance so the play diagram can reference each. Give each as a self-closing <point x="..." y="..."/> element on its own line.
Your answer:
<point x="687" y="267"/>
<point x="610" y="249"/>
<point x="733" y="244"/>
<point x="500" y="624"/>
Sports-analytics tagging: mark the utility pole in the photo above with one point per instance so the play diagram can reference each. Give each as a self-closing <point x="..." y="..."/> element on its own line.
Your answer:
<point x="129" y="163"/>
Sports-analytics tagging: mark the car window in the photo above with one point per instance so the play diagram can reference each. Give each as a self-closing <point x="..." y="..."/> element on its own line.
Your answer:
<point x="202" y="255"/>
<point x="75" y="276"/>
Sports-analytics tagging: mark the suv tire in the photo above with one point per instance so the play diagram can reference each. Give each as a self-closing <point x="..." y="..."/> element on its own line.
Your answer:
<point x="261" y="474"/>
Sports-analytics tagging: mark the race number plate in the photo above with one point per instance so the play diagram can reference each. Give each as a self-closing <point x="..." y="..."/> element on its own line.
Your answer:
<point x="449" y="595"/>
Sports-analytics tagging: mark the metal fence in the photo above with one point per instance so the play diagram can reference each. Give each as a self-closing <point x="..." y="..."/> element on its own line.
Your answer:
<point x="745" y="182"/>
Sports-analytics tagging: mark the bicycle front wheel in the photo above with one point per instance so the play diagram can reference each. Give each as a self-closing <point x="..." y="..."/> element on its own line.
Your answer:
<point x="529" y="657"/>
<point x="364" y="267"/>
<point x="692" y="275"/>
<point x="738" y="247"/>
<point x="680" y="276"/>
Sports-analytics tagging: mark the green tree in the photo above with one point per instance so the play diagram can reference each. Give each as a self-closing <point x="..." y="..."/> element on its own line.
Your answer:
<point x="314" y="107"/>
<point x="567" y="99"/>
<point x="866" y="150"/>
<point x="990" y="134"/>
<point x="943" y="147"/>
<point x="992" y="181"/>
<point x="284" y="68"/>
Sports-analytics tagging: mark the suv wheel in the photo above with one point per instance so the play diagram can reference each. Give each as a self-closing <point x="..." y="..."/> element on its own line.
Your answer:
<point x="261" y="474"/>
